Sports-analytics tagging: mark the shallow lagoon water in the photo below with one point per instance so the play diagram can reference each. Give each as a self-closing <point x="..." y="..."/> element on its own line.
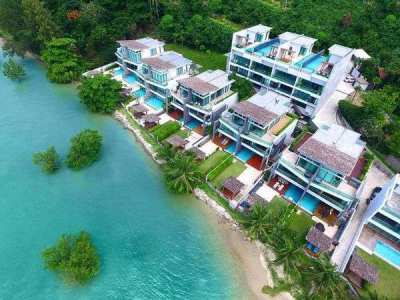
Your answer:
<point x="153" y="245"/>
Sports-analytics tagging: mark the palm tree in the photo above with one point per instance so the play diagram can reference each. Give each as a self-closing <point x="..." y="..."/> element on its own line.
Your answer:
<point x="288" y="252"/>
<point x="372" y="295"/>
<point x="326" y="282"/>
<point x="166" y="152"/>
<point x="260" y="223"/>
<point x="182" y="173"/>
<point x="153" y="4"/>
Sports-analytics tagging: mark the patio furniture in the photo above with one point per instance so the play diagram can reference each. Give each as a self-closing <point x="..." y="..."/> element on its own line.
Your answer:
<point x="320" y="242"/>
<point x="276" y="185"/>
<point x="320" y="227"/>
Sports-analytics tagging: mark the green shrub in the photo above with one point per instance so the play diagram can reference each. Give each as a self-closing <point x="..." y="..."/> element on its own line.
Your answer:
<point x="74" y="258"/>
<point x="47" y="160"/>
<point x="85" y="149"/>
<point x="369" y="158"/>
<point x="352" y="113"/>
<point x="165" y="130"/>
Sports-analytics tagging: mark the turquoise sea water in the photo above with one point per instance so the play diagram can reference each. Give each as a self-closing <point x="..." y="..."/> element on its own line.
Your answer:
<point x="152" y="245"/>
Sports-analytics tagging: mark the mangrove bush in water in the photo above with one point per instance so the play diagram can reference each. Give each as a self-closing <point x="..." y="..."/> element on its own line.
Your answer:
<point x="13" y="70"/>
<point x="74" y="258"/>
<point x="100" y="93"/>
<point x="64" y="65"/>
<point x="47" y="160"/>
<point x="85" y="149"/>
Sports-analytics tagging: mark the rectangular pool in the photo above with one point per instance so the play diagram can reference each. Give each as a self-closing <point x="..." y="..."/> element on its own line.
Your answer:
<point x="387" y="253"/>
<point x="155" y="103"/>
<point x="312" y="64"/>
<point x="118" y="71"/>
<point x="244" y="154"/>
<point x="308" y="203"/>
<point x="131" y="78"/>
<point x="139" y="93"/>
<point x="192" y="124"/>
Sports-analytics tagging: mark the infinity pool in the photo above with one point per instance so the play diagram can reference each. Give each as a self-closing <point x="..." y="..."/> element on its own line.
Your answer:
<point x="118" y="72"/>
<point x="388" y="253"/>
<point x="155" y="103"/>
<point x="244" y="154"/>
<point x="312" y="64"/>
<point x="308" y="203"/>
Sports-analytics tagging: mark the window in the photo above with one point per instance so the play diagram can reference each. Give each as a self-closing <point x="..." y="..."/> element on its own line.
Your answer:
<point x="303" y="50"/>
<point x="180" y="71"/>
<point x="145" y="70"/>
<point x="259" y="37"/>
<point x="153" y="51"/>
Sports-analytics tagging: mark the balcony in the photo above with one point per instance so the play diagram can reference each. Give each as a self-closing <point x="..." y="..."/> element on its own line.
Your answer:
<point x="284" y="77"/>
<point x="260" y="68"/>
<point x="310" y="87"/>
<point x="305" y="97"/>
<point x="241" y="61"/>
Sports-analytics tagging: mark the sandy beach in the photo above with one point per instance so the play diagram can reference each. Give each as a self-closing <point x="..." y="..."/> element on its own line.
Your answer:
<point x="247" y="255"/>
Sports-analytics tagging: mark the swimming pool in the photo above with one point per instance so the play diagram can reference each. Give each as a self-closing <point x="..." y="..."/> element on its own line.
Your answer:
<point x="155" y="103"/>
<point x="244" y="154"/>
<point x="139" y="93"/>
<point x="192" y="124"/>
<point x="131" y="78"/>
<point x="313" y="63"/>
<point x="387" y="253"/>
<point x="308" y="203"/>
<point x="118" y="72"/>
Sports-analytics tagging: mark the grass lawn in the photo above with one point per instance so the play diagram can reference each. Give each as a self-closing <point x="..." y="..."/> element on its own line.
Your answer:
<point x="208" y="60"/>
<point x="299" y="223"/>
<point x="234" y="170"/>
<point x="212" y="161"/>
<point x="388" y="282"/>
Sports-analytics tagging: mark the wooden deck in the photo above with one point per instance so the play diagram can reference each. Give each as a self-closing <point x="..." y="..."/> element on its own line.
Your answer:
<point x="255" y="161"/>
<point x="326" y="214"/>
<point x="222" y="141"/>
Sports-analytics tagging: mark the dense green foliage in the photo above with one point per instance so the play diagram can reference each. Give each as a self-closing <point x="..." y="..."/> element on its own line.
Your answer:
<point x="13" y="70"/>
<point x="73" y="257"/>
<point x="243" y="87"/>
<point x="63" y="64"/>
<point x="161" y="132"/>
<point x="182" y="173"/>
<point x="378" y="119"/>
<point x="47" y="160"/>
<point x="100" y="93"/>
<point x="85" y="149"/>
<point x="276" y="225"/>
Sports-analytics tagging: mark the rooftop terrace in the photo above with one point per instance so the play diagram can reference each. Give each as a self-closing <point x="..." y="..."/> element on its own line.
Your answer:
<point x="167" y="60"/>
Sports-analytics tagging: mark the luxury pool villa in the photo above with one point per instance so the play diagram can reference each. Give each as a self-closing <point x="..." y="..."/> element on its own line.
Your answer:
<point x="381" y="232"/>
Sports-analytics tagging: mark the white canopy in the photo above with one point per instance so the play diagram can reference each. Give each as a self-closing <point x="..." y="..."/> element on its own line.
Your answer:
<point x="361" y="54"/>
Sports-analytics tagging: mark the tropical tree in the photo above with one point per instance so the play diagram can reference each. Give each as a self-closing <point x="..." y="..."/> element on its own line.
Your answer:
<point x="63" y="62"/>
<point x="74" y="258"/>
<point x="182" y="173"/>
<point x="13" y="70"/>
<point x="326" y="282"/>
<point x="85" y="149"/>
<point x="243" y="87"/>
<point x="100" y="93"/>
<point x="166" y="152"/>
<point x="48" y="160"/>
<point x="288" y="252"/>
<point x="260" y="223"/>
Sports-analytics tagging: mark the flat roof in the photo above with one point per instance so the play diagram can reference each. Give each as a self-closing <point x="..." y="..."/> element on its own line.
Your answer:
<point x="254" y="112"/>
<point x="335" y="147"/>
<point x="339" y="50"/>
<point x="167" y="60"/>
<point x="258" y="28"/>
<point x="141" y="44"/>
<point x="271" y="101"/>
<point x="394" y="201"/>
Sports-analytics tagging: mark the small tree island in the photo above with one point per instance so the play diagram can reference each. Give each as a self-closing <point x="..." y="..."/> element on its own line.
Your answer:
<point x="74" y="258"/>
<point x="100" y="94"/>
<point x="85" y="149"/>
<point x="13" y="70"/>
<point x="47" y="160"/>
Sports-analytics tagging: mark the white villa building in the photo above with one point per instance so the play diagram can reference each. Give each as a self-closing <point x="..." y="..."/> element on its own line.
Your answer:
<point x="288" y="65"/>
<point x="201" y="99"/>
<point x="257" y="128"/>
<point x="320" y="173"/>
<point x="381" y="224"/>
<point x="150" y="71"/>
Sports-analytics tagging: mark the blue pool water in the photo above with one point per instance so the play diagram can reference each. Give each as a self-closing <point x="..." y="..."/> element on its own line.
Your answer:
<point x="388" y="253"/>
<point x="118" y="72"/>
<point x="308" y="203"/>
<point x="313" y="64"/>
<point x="131" y="78"/>
<point x="152" y="245"/>
<point x="140" y="93"/>
<point x="155" y="103"/>
<point x="244" y="154"/>
<point x="192" y="124"/>
<point x="264" y="51"/>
